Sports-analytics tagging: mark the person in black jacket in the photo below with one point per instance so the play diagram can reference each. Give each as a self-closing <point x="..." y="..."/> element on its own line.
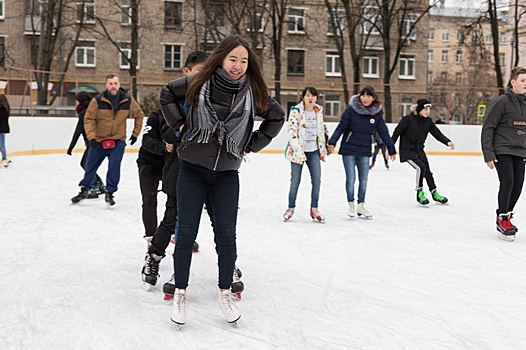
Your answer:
<point x="379" y="145"/>
<point x="225" y="97"/>
<point x="82" y="100"/>
<point x="413" y="130"/>
<point x="5" y="109"/>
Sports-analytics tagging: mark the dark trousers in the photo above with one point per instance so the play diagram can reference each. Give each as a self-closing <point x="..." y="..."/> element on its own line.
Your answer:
<point x="163" y="234"/>
<point x="95" y="158"/>
<point x="149" y="179"/>
<point x="193" y="185"/>
<point x="377" y="148"/>
<point x="423" y="171"/>
<point x="511" y="176"/>
<point x="83" y="163"/>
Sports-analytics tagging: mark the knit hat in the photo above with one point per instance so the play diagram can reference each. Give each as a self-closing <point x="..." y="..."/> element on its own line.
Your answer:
<point x="421" y="104"/>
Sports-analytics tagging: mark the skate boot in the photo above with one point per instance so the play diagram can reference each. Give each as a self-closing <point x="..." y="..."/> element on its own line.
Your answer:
<point x="438" y="198"/>
<point x="82" y="194"/>
<point x="6" y="163"/>
<point x="169" y="289"/>
<point x="227" y="306"/>
<point x="179" y="307"/>
<point x="92" y="194"/>
<point x="352" y="210"/>
<point x="362" y="211"/>
<point x="513" y="226"/>
<point x="288" y="214"/>
<point x="150" y="270"/>
<point x="371" y="166"/>
<point x="98" y="186"/>
<point x="109" y="199"/>
<point x="387" y="165"/>
<point x="421" y="197"/>
<point x="237" y="286"/>
<point x="505" y="228"/>
<point x="316" y="215"/>
<point x="195" y="247"/>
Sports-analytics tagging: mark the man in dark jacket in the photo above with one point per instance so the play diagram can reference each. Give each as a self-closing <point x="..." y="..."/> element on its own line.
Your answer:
<point x="413" y="130"/>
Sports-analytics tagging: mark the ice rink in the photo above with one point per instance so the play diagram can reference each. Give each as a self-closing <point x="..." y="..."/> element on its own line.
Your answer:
<point x="411" y="278"/>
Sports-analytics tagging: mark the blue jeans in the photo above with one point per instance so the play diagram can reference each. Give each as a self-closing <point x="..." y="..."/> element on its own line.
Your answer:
<point x="95" y="158"/>
<point x="350" y="163"/>
<point x="314" y="165"/>
<point x="193" y="184"/>
<point x="2" y="146"/>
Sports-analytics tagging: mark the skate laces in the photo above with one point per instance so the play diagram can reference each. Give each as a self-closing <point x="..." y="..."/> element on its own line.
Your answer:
<point x="181" y="302"/>
<point x="422" y="195"/>
<point x="504" y="222"/>
<point x="152" y="266"/>
<point x="437" y="197"/>
<point x="225" y="298"/>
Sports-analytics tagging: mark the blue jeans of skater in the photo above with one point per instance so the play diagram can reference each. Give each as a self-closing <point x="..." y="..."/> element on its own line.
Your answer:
<point x="350" y="164"/>
<point x="193" y="184"/>
<point x="314" y="165"/>
<point x="96" y="156"/>
<point x="2" y="146"/>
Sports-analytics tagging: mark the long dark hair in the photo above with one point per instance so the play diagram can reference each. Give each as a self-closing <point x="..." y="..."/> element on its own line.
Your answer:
<point x="310" y="89"/>
<point x="254" y="72"/>
<point x="369" y="90"/>
<point x="5" y="103"/>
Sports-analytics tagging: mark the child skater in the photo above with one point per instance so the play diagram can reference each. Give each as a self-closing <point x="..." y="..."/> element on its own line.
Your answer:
<point x="413" y="130"/>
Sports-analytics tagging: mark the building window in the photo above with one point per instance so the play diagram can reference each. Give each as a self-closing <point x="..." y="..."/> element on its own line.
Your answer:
<point x="445" y="34"/>
<point x="475" y="37"/>
<point x="459" y="78"/>
<point x="409" y="26"/>
<point x="332" y="67"/>
<point x="445" y="56"/>
<point x="338" y="22"/>
<point x="216" y="14"/>
<point x="502" y="58"/>
<point x="126" y="17"/>
<point x="2" y="51"/>
<point x="406" y="104"/>
<point x="85" y="54"/>
<point x="473" y="59"/>
<point x="332" y="106"/>
<point x="443" y="77"/>
<point x="172" y="14"/>
<point x="459" y="57"/>
<point x="254" y="20"/>
<point x="371" y="20"/>
<point x="430" y="55"/>
<point x="370" y="67"/>
<point x="2" y="9"/>
<point x="460" y="36"/>
<point x="295" y="62"/>
<point x="429" y="77"/>
<point x="488" y="38"/>
<point x="125" y="55"/>
<point x="86" y="11"/>
<point x="431" y="34"/>
<point x="502" y="38"/>
<point x="173" y="56"/>
<point x="458" y="99"/>
<point x="296" y="20"/>
<point x="406" y="67"/>
<point x="443" y="98"/>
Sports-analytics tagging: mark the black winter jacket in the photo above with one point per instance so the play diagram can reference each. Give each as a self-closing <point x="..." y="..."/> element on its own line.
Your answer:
<point x="212" y="155"/>
<point x="79" y="129"/>
<point x="4" y="120"/>
<point x="153" y="148"/>
<point x="413" y="130"/>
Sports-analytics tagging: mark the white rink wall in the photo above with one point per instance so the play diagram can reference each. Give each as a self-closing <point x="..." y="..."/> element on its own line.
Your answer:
<point x="41" y="135"/>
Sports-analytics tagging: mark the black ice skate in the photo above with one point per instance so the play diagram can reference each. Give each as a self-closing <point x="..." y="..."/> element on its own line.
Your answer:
<point x="109" y="199"/>
<point x="421" y="197"/>
<point x="150" y="270"/>
<point x="82" y="194"/>
<point x="98" y="186"/>
<point x="237" y="286"/>
<point x="505" y="228"/>
<point x="169" y="289"/>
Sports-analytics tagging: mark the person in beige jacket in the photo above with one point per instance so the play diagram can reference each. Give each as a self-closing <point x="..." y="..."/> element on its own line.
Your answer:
<point x="105" y="125"/>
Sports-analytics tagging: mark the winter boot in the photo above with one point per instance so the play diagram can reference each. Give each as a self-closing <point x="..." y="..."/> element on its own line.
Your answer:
<point x="421" y="197"/>
<point x="82" y="194"/>
<point x="505" y="228"/>
<point x="316" y="215"/>
<point x="237" y="286"/>
<point x="169" y="289"/>
<point x="150" y="270"/>
<point x="227" y="306"/>
<point x="438" y="198"/>
<point x="371" y="166"/>
<point x="109" y="199"/>
<point x="352" y="210"/>
<point x="362" y="211"/>
<point x="179" y="307"/>
<point x="288" y="214"/>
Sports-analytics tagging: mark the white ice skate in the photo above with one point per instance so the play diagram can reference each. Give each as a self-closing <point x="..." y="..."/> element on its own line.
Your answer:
<point x="352" y="210"/>
<point x="362" y="211"/>
<point x="179" y="307"/>
<point x="226" y="305"/>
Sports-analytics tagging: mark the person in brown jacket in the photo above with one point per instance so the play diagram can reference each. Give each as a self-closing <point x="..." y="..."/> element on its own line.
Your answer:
<point x="105" y="126"/>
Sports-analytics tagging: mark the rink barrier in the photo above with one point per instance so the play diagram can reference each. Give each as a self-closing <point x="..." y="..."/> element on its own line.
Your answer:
<point x="52" y="135"/>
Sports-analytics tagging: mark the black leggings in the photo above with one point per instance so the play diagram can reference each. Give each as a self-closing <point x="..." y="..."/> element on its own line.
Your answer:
<point x="511" y="176"/>
<point x="422" y="170"/>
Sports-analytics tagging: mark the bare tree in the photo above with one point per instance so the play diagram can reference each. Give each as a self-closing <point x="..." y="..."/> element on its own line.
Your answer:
<point x="277" y="14"/>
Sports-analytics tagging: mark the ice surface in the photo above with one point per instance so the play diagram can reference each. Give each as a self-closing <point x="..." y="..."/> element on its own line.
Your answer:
<point x="411" y="278"/>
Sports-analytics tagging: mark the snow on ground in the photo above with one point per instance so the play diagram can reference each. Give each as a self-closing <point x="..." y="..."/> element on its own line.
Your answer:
<point x="411" y="278"/>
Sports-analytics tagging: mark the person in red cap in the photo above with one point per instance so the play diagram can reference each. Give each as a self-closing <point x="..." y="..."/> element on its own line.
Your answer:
<point x="412" y="131"/>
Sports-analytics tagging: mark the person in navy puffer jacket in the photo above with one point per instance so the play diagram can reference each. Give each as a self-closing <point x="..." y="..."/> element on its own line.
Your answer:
<point x="358" y="124"/>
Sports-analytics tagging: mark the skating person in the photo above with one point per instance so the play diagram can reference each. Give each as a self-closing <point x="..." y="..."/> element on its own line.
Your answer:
<point x="105" y="126"/>
<point x="379" y="145"/>
<point x="412" y="131"/>
<point x="5" y="110"/>
<point x="504" y="148"/>
<point x="225" y="97"/>
<point x="307" y="145"/>
<point x="82" y="100"/>
<point x="360" y="120"/>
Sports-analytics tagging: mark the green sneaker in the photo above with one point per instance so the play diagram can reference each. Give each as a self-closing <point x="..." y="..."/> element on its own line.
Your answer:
<point x="421" y="197"/>
<point x="438" y="198"/>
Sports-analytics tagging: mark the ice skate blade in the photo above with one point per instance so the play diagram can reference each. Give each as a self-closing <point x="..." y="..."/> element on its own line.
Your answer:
<point x="146" y="286"/>
<point x="423" y="205"/>
<point x="235" y="322"/>
<point x="365" y="217"/>
<point x="178" y="325"/>
<point x="318" y="221"/>
<point x="507" y="238"/>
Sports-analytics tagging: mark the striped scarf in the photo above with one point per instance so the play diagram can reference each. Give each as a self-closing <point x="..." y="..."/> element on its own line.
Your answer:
<point x="233" y="128"/>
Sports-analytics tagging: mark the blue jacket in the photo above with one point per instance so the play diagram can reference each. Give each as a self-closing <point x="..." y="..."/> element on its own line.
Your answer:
<point x="358" y="125"/>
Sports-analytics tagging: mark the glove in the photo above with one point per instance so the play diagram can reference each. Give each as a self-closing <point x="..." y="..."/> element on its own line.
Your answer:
<point x="133" y="139"/>
<point x="68" y="152"/>
<point x="93" y="143"/>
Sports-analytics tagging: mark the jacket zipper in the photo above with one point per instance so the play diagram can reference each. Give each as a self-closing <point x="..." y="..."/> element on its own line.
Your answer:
<point x="219" y="152"/>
